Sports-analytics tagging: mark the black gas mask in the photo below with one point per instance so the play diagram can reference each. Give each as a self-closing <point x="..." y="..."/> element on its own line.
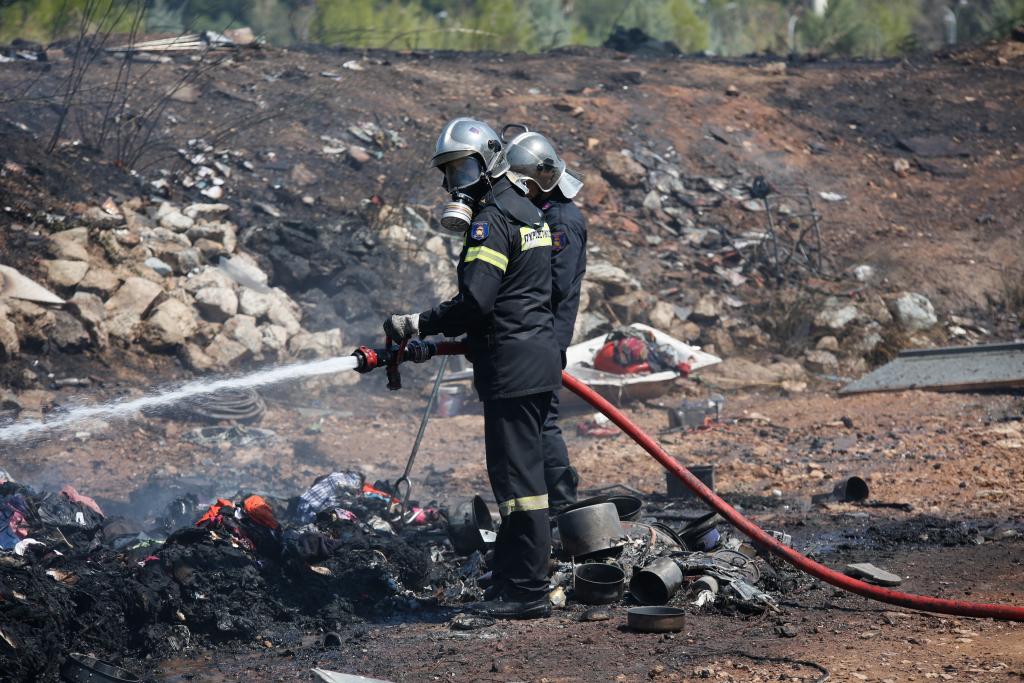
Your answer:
<point x="464" y="179"/>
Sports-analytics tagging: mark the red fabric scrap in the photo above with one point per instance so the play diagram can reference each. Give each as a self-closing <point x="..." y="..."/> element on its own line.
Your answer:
<point x="77" y="497"/>
<point x="371" y="492"/>
<point x="214" y="512"/>
<point x="260" y="512"/>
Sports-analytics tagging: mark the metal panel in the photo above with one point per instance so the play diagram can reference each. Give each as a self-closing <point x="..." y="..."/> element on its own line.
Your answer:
<point x="962" y="368"/>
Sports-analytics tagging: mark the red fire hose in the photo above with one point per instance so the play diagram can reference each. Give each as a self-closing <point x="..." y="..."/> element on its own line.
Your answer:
<point x="751" y="530"/>
<point x="370" y="359"/>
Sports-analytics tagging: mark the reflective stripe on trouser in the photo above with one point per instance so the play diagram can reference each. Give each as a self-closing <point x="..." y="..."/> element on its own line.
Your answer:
<point x="515" y="465"/>
<point x="560" y="477"/>
<point x="524" y="504"/>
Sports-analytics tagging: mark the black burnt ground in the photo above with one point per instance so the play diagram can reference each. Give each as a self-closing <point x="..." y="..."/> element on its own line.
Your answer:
<point x="90" y="586"/>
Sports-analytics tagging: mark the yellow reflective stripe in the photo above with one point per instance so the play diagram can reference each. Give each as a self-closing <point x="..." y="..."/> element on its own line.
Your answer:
<point x="541" y="237"/>
<point x="525" y="504"/>
<point x="495" y="258"/>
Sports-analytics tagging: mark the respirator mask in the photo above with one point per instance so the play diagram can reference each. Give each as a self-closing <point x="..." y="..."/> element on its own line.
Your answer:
<point x="462" y="180"/>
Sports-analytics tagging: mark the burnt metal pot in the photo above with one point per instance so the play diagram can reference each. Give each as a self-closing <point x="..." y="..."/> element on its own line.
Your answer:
<point x="589" y="530"/>
<point x="79" y="668"/>
<point x="656" y="619"/>
<point x="850" y="490"/>
<point x="656" y="583"/>
<point x="701" y="533"/>
<point x="586" y="502"/>
<point x="628" y="507"/>
<point x="466" y="523"/>
<point x="599" y="583"/>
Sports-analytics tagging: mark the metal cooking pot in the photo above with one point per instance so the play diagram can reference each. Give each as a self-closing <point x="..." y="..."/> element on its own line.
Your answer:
<point x="599" y="583"/>
<point x="656" y="583"/>
<point x="628" y="507"/>
<point x="466" y="524"/>
<point x="589" y="530"/>
<point x="656" y="619"/>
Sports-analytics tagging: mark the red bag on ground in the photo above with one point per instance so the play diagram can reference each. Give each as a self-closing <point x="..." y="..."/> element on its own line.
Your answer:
<point x="623" y="356"/>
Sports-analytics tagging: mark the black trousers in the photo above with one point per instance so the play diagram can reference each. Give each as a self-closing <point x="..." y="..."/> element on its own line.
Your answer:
<point x="559" y="476"/>
<point x="515" y="466"/>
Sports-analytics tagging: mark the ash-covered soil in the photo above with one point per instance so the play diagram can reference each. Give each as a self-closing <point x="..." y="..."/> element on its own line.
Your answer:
<point x="950" y="227"/>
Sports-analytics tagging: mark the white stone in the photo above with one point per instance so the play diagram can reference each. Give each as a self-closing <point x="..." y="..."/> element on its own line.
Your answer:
<point x="127" y="306"/>
<point x="70" y="245"/>
<point x="10" y="345"/>
<point x="171" y="324"/>
<point x="248" y="268"/>
<point x="822" y="362"/>
<point x="242" y="328"/>
<point x="219" y="231"/>
<point x="66" y="274"/>
<point x="863" y="273"/>
<point x="194" y="210"/>
<point x="611" y="277"/>
<point x="913" y="312"/>
<point x="828" y="343"/>
<point x="89" y="309"/>
<point x="176" y="221"/>
<point x="208" y="276"/>
<point x="835" y="315"/>
<point x="251" y="302"/>
<point x="217" y="304"/>
<point x="159" y="266"/>
<point x="324" y="344"/>
<point x="275" y="338"/>
<point x="280" y="313"/>
<point x="663" y="315"/>
<point x="101" y="281"/>
<point x="225" y="352"/>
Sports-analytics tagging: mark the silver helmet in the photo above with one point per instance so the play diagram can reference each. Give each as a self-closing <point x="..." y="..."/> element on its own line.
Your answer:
<point x="465" y="137"/>
<point x="531" y="156"/>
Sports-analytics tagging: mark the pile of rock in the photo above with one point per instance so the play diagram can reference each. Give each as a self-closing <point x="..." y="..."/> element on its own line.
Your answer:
<point x="169" y="278"/>
<point x="849" y="333"/>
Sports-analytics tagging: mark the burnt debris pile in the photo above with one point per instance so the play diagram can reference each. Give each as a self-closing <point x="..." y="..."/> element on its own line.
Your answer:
<point x="242" y="569"/>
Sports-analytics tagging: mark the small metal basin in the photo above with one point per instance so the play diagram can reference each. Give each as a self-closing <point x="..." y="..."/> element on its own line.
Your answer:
<point x="599" y="583"/>
<point x="590" y="530"/>
<point x="656" y="619"/>
<point x="628" y="507"/>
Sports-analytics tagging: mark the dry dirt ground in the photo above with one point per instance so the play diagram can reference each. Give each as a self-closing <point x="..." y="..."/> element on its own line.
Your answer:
<point x="956" y="459"/>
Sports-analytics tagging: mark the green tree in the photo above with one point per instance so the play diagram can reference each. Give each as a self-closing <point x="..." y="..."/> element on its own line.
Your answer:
<point x="47" y="20"/>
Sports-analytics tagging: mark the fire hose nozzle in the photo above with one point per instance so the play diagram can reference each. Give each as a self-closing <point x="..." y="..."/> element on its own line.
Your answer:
<point x="367" y="358"/>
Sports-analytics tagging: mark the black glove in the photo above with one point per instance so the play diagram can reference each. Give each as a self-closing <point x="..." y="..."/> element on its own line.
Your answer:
<point x="402" y="326"/>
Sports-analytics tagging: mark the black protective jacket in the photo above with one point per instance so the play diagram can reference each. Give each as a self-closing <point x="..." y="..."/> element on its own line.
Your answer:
<point x="568" y="263"/>
<point x="504" y="299"/>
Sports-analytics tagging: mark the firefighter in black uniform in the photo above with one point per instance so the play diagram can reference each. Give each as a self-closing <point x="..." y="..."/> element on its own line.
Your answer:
<point x="531" y="162"/>
<point x="503" y="306"/>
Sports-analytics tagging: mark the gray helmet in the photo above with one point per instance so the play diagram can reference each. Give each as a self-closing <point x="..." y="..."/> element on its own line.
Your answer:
<point x="465" y="137"/>
<point x="531" y="156"/>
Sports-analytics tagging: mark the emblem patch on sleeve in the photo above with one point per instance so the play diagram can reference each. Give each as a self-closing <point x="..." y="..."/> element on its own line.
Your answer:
<point x="479" y="231"/>
<point x="559" y="241"/>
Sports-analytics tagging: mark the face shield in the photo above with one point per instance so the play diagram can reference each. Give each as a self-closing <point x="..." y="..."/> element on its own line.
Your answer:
<point x="462" y="173"/>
